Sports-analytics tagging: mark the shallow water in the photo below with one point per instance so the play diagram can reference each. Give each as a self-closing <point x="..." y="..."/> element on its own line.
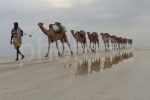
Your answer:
<point x="95" y="65"/>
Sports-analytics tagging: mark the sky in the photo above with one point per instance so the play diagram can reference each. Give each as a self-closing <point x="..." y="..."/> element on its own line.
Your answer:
<point x="125" y="18"/>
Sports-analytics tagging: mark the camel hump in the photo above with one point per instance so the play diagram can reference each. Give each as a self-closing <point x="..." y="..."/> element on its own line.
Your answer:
<point x="113" y="35"/>
<point x="57" y="23"/>
<point x="51" y="25"/>
<point x="81" y="33"/>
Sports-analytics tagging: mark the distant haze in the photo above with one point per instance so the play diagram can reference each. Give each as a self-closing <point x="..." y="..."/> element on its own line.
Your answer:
<point x="125" y="18"/>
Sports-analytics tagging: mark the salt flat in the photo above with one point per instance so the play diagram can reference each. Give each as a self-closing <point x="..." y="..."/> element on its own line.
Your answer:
<point x="111" y="75"/>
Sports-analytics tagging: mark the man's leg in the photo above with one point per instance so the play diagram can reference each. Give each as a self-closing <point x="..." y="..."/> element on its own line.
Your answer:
<point x="20" y="53"/>
<point x="17" y="55"/>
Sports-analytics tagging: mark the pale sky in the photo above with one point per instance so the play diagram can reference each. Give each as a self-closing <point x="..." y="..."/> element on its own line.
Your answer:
<point x="125" y="18"/>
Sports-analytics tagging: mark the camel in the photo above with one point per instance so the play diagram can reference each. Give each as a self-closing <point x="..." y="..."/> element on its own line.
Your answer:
<point x="52" y="36"/>
<point x="113" y="40"/>
<point x="80" y="37"/>
<point x="105" y="38"/>
<point x="93" y="39"/>
<point x="120" y="42"/>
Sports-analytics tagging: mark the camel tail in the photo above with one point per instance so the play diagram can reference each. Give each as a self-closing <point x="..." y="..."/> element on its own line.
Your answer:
<point x="72" y="31"/>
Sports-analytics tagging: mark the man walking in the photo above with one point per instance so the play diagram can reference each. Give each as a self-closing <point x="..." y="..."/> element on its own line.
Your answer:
<point x="16" y="36"/>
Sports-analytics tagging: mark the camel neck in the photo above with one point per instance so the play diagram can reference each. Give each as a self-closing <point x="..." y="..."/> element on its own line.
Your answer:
<point x="52" y="32"/>
<point x="43" y="30"/>
<point x="102" y="36"/>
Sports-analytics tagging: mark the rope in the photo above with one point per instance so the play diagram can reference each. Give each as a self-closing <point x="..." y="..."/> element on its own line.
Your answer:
<point x="30" y="35"/>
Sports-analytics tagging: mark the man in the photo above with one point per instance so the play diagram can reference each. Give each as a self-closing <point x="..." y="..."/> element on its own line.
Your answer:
<point x="16" y="35"/>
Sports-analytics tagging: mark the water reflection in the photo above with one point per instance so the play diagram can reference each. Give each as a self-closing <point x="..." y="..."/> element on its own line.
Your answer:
<point x="95" y="65"/>
<point x="89" y="66"/>
<point x="82" y="69"/>
<point x="118" y="57"/>
<point x="107" y="63"/>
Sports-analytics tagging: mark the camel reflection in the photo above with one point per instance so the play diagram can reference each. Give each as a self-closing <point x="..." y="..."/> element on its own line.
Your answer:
<point x="131" y="54"/>
<point x="107" y="63"/>
<point x="118" y="57"/>
<point x="82" y="69"/>
<point x="95" y="66"/>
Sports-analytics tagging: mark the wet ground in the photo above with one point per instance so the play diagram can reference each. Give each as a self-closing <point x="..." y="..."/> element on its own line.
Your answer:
<point x="113" y="75"/>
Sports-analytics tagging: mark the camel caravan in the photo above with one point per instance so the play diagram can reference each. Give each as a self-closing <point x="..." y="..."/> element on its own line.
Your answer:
<point x="57" y="32"/>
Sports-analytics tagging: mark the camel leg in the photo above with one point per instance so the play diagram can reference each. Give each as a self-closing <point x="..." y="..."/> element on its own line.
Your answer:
<point x="63" y="46"/>
<point x="69" y="47"/>
<point x="95" y="46"/>
<point x="82" y="45"/>
<point x="83" y="48"/>
<point x="87" y="47"/>
<point x="112" y="46"/>
<point x="57" y="47"/>
<point x="124" y="46"/>
<point x="90" y="47"/>
<point x="98" y="45"/>
<point x="49" y="42"/>
<point x="108" y="44"/>
<point x="77" y="46"/>
<point x="105" y="46"/>
<point x="68" y="43"/>
<point x="118" y="45"/>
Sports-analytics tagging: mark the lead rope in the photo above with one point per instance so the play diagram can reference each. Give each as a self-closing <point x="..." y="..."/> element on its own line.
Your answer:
<point x="30" y="35"/>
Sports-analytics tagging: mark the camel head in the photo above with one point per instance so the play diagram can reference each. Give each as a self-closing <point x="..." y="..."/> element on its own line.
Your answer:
<point x="88" y="32"/>
<point x="40" y="24"/>
<point x="72" y="31"/>
<point x="101" y="33"/>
